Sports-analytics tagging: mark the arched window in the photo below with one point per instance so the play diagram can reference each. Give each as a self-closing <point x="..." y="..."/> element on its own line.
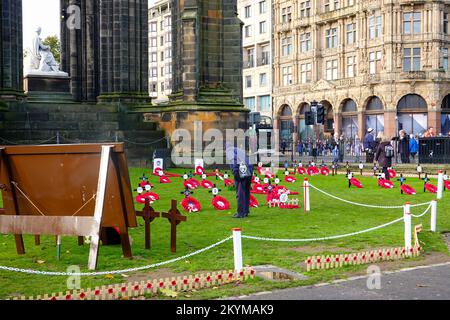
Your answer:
<point x="412" y="114"/>
<point x="375" y="115"/>
<point x="412" y="102"/>
<point x="349" y="106"/>
<point x="329" y="118"/>
<point x="286" y="111"/>
<point x="286" y="125"/>
<point x="305" y="132"/>
<point x="349" y="119"/>
<point x="374" y="104"/>
<point x="445" y="116"/>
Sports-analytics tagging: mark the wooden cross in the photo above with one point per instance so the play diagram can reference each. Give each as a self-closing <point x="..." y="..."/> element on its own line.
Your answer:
<point x="175" y="217"/>
<point x="149" y="214"/>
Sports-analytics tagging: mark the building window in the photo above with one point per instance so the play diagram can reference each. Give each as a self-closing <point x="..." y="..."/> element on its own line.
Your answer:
<point x="248" y="11"/>
<point x="286" y="46"/>
<point x="248" y="31"/>
<point x="305" y="42"/>
<point x="265" y="56"/>
<point x="262" y="7"/>
<point x="248" y="81"/>
<point x="305" y="73"/>
<point x="305" y="9"/>
<point x="350" y="2"/>
<point x="336" y="4"/>
<point x="263" y="79"/>
<point x="411" y="23"/>
<point x="168" y="70"/>
<point x="351" y="67"/>
<point x="287" y="76"/>
<point x="153" y="43"/>
<point x="264" y="103"/>
<point x="445" y="59"/>
<point x="249" y="61"/>
<point x="250" y="103"/>
<point x="153" y="88"/>
<point x="168" y="53"/>
<point x="411" y="59"/>
<point x="262" y="27"/>
<point x="168" y="37"/>
<point x="445" y="23"/>
<point x="168" y="21"/>
<point x="327" y="6"/>
<point x="332" y="70"/>
<point x="162" y="86"/>
<point x="162" y="55"/>
<point x="154" y="57"/>
<point x="153" y="72"/>
<point x="351" y="33"/>
<point x="153" y="27"/>
<point x="162" y="71"/>
<point x="286" y="15"/>
<point x="331" y="38"/>
<point x="374" y="62"/>
<point x="161" y="40"/>
<point x="375" y="30"/>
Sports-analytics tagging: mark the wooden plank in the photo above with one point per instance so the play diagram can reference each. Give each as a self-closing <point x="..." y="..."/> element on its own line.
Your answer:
<point x="62" y="149"/>
<point x="99" y="203"/>
<point x="39" y="225"/>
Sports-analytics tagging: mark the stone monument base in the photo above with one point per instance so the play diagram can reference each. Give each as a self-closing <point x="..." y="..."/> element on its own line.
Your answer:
<point x="199" y="117"/>
<point x="47" y="86"/>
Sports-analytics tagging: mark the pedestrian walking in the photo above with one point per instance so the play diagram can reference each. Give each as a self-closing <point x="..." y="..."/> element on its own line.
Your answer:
<point x="384" y="154"/>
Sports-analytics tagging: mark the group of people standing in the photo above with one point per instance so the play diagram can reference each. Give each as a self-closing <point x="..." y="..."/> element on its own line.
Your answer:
<point x="407" y="145"/>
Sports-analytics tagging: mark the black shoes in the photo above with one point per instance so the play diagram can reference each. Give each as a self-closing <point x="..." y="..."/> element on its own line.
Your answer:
<point x="240" y="216"/>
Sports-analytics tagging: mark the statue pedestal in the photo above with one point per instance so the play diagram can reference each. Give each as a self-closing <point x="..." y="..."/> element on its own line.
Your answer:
<point x="47" y="86"/>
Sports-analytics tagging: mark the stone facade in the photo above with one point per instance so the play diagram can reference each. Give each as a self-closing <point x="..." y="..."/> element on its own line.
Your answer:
<point x="107" y="58"/>
<point x="11" y="50"/>
<point x="352" y="55"/>
<point x="207" y="74"/>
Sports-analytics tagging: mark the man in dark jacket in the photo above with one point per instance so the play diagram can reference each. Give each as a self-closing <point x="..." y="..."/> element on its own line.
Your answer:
<point x="369" y="145"/>
<point x="242" y="171"/>
<point x="403" y="146"/>
<point x="341" y="146"/>
<point x="383" y="157"/>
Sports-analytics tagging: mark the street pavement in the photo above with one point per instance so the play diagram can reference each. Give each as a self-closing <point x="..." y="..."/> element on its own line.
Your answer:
<point x="420" y="283"/>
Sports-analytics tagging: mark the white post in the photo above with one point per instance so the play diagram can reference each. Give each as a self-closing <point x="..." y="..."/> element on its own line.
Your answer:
<point x="440" y="186"/>
<point x="237" y="246"/>
<point x="307" y="205"/>
<point x="433" y="215"/>
<point x="407" y="221"/>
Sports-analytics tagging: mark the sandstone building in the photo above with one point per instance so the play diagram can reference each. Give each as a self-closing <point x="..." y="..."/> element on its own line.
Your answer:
<point x="373" y="63"/>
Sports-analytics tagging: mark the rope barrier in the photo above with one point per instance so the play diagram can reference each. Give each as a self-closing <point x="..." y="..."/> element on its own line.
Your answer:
<point x="81" y="274"/>
<point x="145" y="143"/>
<point x="365" y="205"/>
<point x="38" y="142"/>
<point x="324" y="238"/>
<point x="423" y="213"/>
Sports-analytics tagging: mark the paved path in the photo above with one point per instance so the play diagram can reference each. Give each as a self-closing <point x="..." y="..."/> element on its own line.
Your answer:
<point x="420" y="283"/>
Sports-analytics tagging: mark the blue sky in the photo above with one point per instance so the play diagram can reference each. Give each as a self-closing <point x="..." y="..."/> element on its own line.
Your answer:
<point x="45" y="14"/>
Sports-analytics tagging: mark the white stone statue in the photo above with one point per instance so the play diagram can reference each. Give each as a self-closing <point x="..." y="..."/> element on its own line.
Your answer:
<point x="40" y="59"/>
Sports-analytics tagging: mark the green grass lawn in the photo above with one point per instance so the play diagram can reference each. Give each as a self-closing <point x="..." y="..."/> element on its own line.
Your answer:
<point x="328" y="217"/>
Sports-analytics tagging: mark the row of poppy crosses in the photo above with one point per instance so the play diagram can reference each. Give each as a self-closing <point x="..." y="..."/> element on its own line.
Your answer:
<point x="269" y="185"/>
